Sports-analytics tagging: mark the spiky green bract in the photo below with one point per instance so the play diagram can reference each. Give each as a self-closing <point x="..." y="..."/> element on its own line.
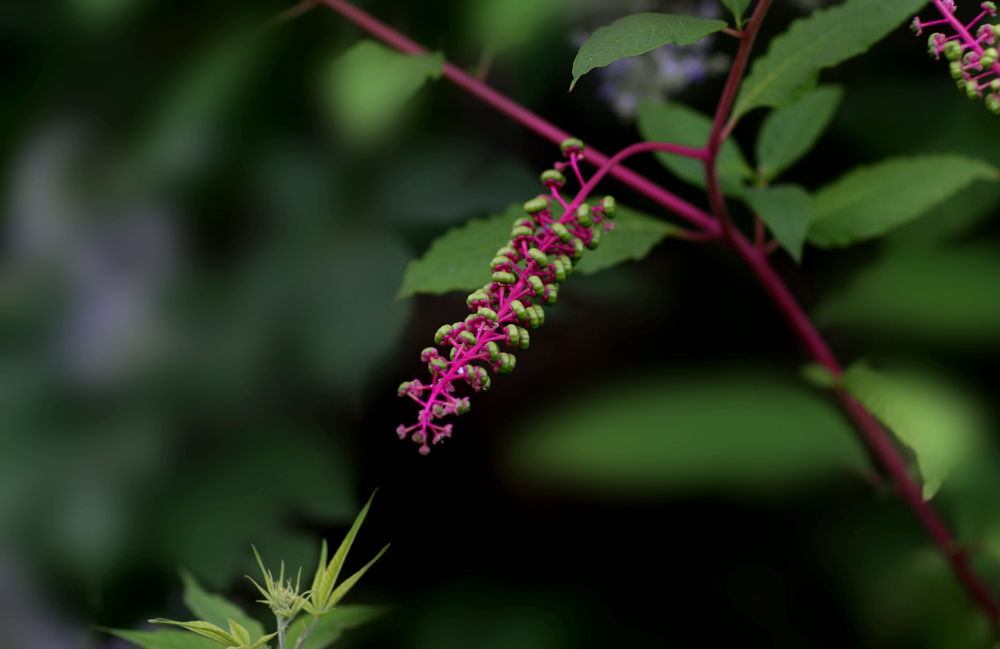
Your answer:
<point x="281" y="597"/>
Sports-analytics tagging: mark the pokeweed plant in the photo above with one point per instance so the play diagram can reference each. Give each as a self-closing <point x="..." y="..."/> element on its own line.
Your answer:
<point x="223" y="622"/>
<point x="869" y="201"/>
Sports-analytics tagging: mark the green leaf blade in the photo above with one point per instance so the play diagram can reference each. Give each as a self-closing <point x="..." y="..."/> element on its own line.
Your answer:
<point x="459" y="259"/>
<point x="164" y="639"/>
<point x="787" y="134"/>
<point x="869" y="201"/>
<point x="367" y="88"/>
<point x="717" y="433"/>
<point x="215" y="608"/>
<point x="206" y="629"/>
<point x="679" y="124"/>
<point x="738" y="7"/>
<point x="321" y="597"/>
<point x="341" y="591"/>
<point x="930" y="418"/>
<point x="826" y="38"/>
<point x="637" y="34"/>
<point x="785" y="209"/>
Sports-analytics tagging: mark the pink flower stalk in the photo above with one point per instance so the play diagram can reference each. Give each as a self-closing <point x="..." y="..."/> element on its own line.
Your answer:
<point x="529" y="269"/>
<point x="973" y="58"/>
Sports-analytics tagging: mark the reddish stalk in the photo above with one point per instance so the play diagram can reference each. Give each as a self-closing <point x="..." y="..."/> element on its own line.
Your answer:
<point x="879" y="443"/>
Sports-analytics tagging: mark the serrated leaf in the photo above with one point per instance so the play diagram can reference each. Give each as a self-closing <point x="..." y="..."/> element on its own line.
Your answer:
<point x="459" y="259"/>
<point x="331" y="626"/>
<point x="320" y="598"/>
<point x="789" y="133"/>
<point x="679" y="124"/>
<point x="785" y="209"/>
<point x="943" y="296"/>
<point x="203" y="628"/>
<point x="164" y="639"/>
<point x="869" y="201"/>
<point x="366" y="88"/>
<point x="238" y="632"/>
<point x="929" y="417"/>
<point x="825" y="38"/>
<point x="739" y="433"/>
<point x="341" y="591"/>
<point x="637" y="34"/>
<point x="738" y="7"/>
<point x="215" y="608"/>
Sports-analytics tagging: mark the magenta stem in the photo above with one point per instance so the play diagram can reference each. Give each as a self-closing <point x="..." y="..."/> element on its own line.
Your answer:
<point x="874" y="436"/>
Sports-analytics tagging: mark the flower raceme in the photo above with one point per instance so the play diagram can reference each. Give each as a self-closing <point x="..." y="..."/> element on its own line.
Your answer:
<point x="526" y="274"/>
<point x="970" y="50"/>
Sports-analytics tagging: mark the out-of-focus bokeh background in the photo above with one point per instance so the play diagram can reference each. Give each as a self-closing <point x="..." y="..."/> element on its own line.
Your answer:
<point x="200" y="344"/>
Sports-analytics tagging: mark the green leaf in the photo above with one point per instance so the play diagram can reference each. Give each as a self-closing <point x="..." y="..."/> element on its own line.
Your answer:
<point x="827" y="37"/>
<point x="237" y="631"/>
<point x="871" y="200"/>
<point x="679" y="124"/>
<point x="637" y="34"/>
<point x="320" y="597"/>
<point x="944" y="296"/>
<point x="789" y="133"/>
<point x="738" y="7"/>
<point x="931" y="418"/>
<point x="215" y="608"/>
<point x="739" y="433"/>
<point x="203" y="628"/>
<point x="341" y="591"/>
<point x="366" y="88"/>
<point x="501" y="25"/>
<point x="331" y="626"/>
<point x="164" y="639"/>
<point x="459" y="259"/>
<point x="785" y="209"/>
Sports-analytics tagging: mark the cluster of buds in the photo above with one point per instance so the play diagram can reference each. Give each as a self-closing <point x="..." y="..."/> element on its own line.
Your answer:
<point x="527" y="272"/>
<point x="970" y="50"/>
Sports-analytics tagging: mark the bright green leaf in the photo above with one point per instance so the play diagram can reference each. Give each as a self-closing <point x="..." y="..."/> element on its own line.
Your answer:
<point x="789" y="133"/>
<point x="679" y="124"/>
<point x="738" y="433"/>
<point x="933" y="419"/>
<point x="238" y="632"/>
<point x="785" y="209"/>
<point x="825" y="38"/>
<point x="164" y="639"/>
<point x="215" y="608"/>
<point x="203" y="628"/>
<point x="869" y="201"/>
<point x="366" y="88"/>
<point x="320" y="597"/>
<point x="459" y="259"/>
<point x="330" y="627"/>
<point x="738" y="7"/>
<point x="501" y="25"/>
<point x="637" y="34"/>
<point x="341" y="591"/>
<point x="947" y="296"/>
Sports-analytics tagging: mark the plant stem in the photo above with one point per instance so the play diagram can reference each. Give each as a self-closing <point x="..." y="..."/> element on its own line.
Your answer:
<point x="879" y="443"/>
<point x="302" y="638"/>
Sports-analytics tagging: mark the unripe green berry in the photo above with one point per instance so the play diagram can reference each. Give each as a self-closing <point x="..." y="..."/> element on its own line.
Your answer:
<point x="513" y="338"/>
<point x="438" y="364"/>
<point x="505" y="251"/>
<point x="468" y="337"/>
<point x="471" y="318"/>
<point x="519" y="311"/>
<point x="533" y="320"/>
<point x="497" y="261"/>
<point x="541" y="314"/>
<point x="453" y="353"/>
<point x="521" y="231"/>
<point x="536" y="285"/>
<point x="989" y="57"/>
<point x="488" y="313"/>
<point x="571" y="143"/>
<point x="504" y="278"/>
<point x="585" y="215"/>
<point x="538" y="257"/>
<point x="536" y="205"/>
<point x="507" y="362"/>
<point x="477" y="296"/>
<point x="972" y="89"/>
<point x="952" y="51"/>
<point x="595" y="240"/>
<point x="610" y="207"/>
<point x="560" y="231"/>
<point x="493" y="350"/>
<point x="551" y="294"/>
<point x="577" y="250"/>
<point x="524" y="337"/>
<point x="551" y="176"/>
<point x="955" y="68"/>
<point x="559" y="271"/>
<point x="442" y="331"/>
<point x="567" y="264"/>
